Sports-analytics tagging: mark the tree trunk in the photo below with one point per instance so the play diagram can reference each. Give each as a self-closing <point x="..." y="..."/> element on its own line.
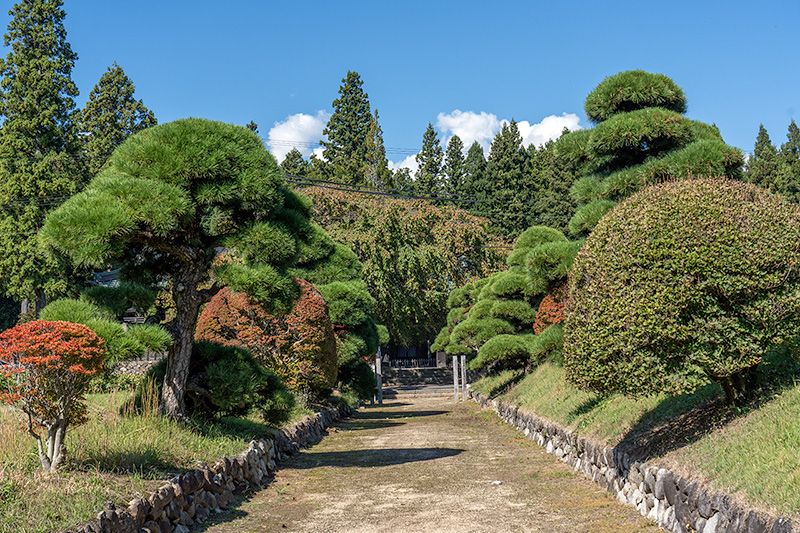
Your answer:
<point x="187" y="307"/>
<point x="738" y="387"/>
<point x="41" y="302"/>
<point x="53" y="452"/>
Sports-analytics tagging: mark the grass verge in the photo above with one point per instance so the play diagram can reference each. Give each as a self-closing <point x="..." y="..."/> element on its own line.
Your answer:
<point x="752" y="452"/>
<point x="110" y="458"/>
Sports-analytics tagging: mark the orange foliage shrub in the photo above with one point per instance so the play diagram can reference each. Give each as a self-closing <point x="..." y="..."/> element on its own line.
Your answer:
<point x="299" y="347"/>
<point x="45" y="369"/>
<point x="551" y="310"/>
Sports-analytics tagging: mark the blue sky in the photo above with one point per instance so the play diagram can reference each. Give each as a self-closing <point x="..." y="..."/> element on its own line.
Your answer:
<point x="462" y="66"/>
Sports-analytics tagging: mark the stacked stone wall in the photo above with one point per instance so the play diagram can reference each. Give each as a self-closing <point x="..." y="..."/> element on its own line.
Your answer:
<point x="677" y="504"/>
<point x="191" y="497"/>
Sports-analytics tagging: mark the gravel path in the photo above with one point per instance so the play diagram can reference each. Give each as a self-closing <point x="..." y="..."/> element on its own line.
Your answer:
<point x="428" y="466"/>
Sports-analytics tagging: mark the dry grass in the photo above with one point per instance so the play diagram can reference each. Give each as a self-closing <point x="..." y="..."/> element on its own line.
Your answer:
<point x="110" y="458"/>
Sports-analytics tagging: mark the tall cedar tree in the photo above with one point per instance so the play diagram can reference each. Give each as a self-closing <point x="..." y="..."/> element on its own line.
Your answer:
<point x="475" y="173"/>
<point x="454" y="171"/>
<point x="39" y="147"/>
<point x="171" y="197"/>
<point x="348" y="132"/>
<point x="550" y="181"/>
<point x="762" y="168"/>
<point x="111" y="115"/>
<point x="789" y="156"/>
<point x="508" y="192"/>
<point x="428" y="177"/>
<point x="377" y="172"/>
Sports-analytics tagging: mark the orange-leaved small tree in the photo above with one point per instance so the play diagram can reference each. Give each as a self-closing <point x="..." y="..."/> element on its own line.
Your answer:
<point x="45" y="368"/>
<point x="298" y="346"/>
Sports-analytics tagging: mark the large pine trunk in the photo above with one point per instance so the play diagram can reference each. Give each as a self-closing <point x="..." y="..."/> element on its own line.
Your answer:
<point x="187" y="308"/>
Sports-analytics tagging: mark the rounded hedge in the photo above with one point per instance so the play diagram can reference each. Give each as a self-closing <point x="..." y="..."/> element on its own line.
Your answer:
<point x="682" y="282"/>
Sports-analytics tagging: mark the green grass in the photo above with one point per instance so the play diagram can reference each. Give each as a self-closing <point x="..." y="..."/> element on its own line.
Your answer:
<point x="546" y="392"/>
<point x="759" y="454"/>
<point x="110" y="458"/>
<point x="753" y="451"/>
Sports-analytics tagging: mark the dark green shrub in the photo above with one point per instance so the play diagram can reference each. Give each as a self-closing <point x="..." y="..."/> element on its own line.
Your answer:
<point x="228" y="381"/>
<point x="684" y="282"/>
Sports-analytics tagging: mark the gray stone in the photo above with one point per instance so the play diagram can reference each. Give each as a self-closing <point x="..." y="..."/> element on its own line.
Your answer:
<point x="670" y="488"/>
<point x="151" y="527"/>
<point x="700" y="525"/>
<point x="658" y="487"/>
<point x="711" y="525"/>
<point x="180" y="528"/>
<point x="703" y="502"/>
<point x="668" y="519"/>
<point x="755" y="523"/>
<point x="782" y="525"/>
<point x="635" y="474"/>
<point x="649" y="479"/>
<point x="682" y="514"/>
<point x="138" y="508"/>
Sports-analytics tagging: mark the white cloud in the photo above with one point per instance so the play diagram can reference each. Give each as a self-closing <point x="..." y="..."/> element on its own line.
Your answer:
<point x="299" y="131"/>
<point x="549" y="128"/>
<point x="409" y="162"/>
<point x="482" y="127"/>
<point x="469" y="126"/>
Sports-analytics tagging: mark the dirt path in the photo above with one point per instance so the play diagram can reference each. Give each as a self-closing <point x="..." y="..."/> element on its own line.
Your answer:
<point x="428" y="466"/>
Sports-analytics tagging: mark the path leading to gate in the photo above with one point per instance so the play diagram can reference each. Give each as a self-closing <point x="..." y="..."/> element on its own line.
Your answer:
<point x="428" y="465"/>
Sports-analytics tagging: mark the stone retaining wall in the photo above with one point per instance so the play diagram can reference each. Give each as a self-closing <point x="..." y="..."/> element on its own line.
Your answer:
<point x="677" y="504"/>
<point x="190" y="497"/>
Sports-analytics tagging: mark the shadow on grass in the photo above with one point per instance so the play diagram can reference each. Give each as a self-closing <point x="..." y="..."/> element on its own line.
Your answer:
<point x="678" y="421"/>
<point x="369" y="457"/>
<point x="501" y="385"/>
<point x="586" y="407"/>
<point x="145" y="463"/>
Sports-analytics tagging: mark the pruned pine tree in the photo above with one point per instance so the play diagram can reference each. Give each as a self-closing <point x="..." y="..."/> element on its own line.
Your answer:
<point x="40" y="162"/>
<point x="170" y="199"/>
<point x="111" y="115"/>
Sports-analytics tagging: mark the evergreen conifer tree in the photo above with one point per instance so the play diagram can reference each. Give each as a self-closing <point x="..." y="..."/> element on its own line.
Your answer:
<point x="294" y="164"/>
<point x="789" y="158"/>
<point x="475" y="171"/>
<point x="111" y="115"/>
<point x="377" y="170"/>
<point x="348" y="132"/>
<point x="428" y="178"/>
<point x="506" y="175"/>
<point x="454" y="171"/>
<point x="762" y="168"/>
<point x="40" y="164"/>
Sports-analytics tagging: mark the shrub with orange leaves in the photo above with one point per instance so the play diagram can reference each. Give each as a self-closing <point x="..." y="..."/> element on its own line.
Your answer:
<point x="45" y="369"/>
<point x="300" y="347"/>
<point x="551" y="310"/>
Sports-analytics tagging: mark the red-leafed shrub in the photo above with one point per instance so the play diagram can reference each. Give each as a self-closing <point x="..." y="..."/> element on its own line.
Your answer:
<point x="300" y="347"/>
<point x="45" y="369"/>
<point x="551" y="310"/>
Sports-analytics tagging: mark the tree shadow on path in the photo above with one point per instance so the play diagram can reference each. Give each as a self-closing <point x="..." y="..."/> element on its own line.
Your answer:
<point x="369" y="457"/>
